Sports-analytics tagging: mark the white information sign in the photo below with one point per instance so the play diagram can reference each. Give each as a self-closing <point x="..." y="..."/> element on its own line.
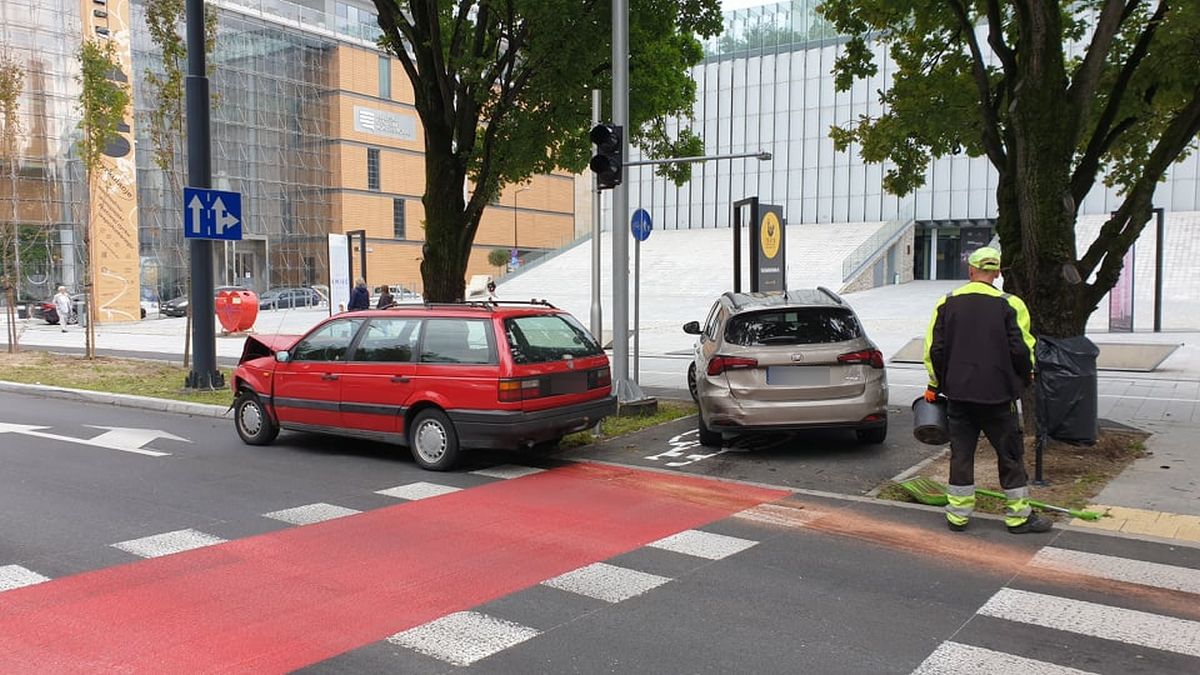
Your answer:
<point x="383" y="123"/>
<point x="339" y="273"/>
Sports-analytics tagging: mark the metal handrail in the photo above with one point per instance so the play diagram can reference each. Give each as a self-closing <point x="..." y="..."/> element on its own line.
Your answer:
<point x="859" y="258"/>
<point x="547" y="256"/>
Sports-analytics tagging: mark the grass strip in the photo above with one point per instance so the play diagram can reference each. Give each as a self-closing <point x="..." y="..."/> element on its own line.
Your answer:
<point x="119" y="376"/>
<point x="615" y="426"/>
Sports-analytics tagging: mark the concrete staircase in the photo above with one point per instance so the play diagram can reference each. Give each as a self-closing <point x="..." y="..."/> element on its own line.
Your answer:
<point x="682" y="273"/>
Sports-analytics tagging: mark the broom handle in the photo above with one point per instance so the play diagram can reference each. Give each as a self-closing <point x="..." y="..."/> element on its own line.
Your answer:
<point x="1086" y="515"/>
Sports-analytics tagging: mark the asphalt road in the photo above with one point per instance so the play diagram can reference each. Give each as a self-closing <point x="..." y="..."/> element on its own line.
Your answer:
<point x="194" y="552"/>
<point x="831" y="460"/>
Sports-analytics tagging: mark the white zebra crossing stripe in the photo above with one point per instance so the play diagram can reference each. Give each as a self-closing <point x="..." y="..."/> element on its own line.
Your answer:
<point x="953" y="658"/>
<point x="463" y="638"/>
<point x="780" y="515"/>
<point x="606" y="582"/>
<point x="508" y="471"/>
<point x="703" y="544"/>
<point x="418" y="490"/>
<point x="1095" y="620"/>
<point x="1119" y="569"/>
<point x="311" y="513"/>
<point x="167" y="543"/>
<point x="15" y="576"/>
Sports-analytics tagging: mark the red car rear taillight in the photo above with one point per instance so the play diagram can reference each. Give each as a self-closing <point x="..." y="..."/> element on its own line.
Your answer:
<point x="513" y="391"/>
<point x="599" y="378"/>
<point x="869" y="357"/>
<point x="719" y="364"/>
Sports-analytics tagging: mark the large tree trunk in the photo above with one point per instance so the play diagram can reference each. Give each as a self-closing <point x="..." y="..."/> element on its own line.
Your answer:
<point x="1036" y="208"/>
<point x="10" y="309"/>
<point x="447" y="244"/>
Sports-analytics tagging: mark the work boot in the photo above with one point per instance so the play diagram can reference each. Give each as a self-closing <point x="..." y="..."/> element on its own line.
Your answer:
<point x="1034" y="523"/>
<point x="956" y="527"/>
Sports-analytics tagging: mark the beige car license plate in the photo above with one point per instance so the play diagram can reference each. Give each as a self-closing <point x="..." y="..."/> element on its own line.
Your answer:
<point x="798" y="376"/>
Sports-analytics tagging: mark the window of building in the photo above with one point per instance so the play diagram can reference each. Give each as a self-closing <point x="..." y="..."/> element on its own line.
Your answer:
<point x="351" y="15"/>
<point x="385" y="77"/>
<point x="398" y="219"/>
<point x="372" y="168"/>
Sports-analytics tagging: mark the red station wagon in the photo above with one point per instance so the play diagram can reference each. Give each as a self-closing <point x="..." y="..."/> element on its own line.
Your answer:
<point x="433" y="377"/>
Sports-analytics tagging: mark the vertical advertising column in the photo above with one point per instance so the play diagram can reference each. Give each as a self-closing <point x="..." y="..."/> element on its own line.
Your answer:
<point x="1120" y="298"/>
<point x="768" y="253"/>
<point x="113" y="255"/>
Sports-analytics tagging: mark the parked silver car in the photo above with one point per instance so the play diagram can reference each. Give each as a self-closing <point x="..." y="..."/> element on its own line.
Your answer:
<point x="786" y="361"/>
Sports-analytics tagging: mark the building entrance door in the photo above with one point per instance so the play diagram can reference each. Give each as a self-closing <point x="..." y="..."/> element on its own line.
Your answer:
<point x="246" y="264"/>
<point x="921" y="253"/>
<point x="243" y="269"/>
<point x="949" y="251"/>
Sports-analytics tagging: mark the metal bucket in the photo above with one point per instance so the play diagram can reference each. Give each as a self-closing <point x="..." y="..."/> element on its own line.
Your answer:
<point x="930" y="424"/>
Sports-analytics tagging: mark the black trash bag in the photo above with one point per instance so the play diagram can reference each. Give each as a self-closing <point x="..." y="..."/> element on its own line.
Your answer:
<point x="1067" y="407"/>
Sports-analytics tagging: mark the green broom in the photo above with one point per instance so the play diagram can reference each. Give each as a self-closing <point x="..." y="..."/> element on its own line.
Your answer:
<point x="931" y="492"/>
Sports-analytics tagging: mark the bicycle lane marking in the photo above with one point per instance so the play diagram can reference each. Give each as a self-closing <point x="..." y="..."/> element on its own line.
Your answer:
<point x="288" y="599"/>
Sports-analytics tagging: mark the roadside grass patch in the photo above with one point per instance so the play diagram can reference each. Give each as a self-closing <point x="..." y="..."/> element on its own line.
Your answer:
<point x="614" y="426"/>
<point x="1074" y="474"/>
<point x="118" y="376"/>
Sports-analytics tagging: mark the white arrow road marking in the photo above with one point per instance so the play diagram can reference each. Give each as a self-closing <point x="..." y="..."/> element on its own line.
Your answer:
<point x="120" y="438"/>
<point x="125" y="439"/>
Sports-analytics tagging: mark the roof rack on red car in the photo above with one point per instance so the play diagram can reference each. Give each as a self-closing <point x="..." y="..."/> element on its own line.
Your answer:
<point x="487" y="304"/>
<point x="531" y="301"/>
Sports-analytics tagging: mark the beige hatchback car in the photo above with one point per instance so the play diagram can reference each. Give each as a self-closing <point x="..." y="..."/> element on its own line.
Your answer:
<point x="784" y="362"/>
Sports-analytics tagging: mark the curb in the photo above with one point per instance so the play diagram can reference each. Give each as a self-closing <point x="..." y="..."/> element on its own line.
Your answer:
<point x="122" y="400"/>
<point x="909" y="472"/>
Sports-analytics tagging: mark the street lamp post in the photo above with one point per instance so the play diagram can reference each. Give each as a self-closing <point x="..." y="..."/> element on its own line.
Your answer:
<point x="515" y="193"/>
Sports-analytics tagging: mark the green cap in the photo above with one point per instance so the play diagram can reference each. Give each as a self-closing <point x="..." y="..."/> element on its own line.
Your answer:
<point x="985" y="258"/>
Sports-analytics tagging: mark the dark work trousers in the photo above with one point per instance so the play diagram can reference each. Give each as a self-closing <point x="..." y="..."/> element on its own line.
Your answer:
<point x="997" y="421"/>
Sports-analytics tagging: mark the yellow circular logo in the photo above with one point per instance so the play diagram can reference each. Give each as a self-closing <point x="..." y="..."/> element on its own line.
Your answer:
<point x="769" y="233"/>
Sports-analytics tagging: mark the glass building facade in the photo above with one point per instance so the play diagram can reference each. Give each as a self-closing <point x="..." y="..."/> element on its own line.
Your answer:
<point x="766" y="84"/>
<point x="41" y="194"/>
<point x="310" y="122"/>
<point x="270" y="127"/>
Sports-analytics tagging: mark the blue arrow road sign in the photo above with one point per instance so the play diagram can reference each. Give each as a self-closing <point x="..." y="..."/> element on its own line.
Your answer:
<point x="212" y="214"/>
<point x="641" y="225"/>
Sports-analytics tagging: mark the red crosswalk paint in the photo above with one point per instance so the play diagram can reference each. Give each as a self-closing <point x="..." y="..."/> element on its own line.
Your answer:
<point x="288" y="599"/>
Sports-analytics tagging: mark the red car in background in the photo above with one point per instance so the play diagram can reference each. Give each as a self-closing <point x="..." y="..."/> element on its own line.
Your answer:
<point x="435" y="378"/>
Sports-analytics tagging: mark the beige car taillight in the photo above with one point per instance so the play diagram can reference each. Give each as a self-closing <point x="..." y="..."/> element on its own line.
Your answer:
<point x="867" y="357"/>
<point x="720" y="363"/>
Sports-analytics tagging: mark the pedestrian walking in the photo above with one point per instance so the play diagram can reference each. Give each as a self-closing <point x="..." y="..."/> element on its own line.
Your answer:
<point x="980" y="355"/>
<point x="385" y="298"/>
<point x="62" y="305"/>
<point x="491" y="289"/>
<point x="360" y="297"/>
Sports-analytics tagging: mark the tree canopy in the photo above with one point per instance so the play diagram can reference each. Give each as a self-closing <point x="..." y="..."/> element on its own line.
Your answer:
<point x="503" y="92"/>
<point x="1057" y="96"/>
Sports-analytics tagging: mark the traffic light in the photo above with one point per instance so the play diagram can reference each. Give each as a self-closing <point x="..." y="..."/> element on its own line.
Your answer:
<point x="606" y="163"/>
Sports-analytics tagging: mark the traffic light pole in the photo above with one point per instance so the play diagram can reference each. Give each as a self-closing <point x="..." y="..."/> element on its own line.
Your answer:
<point x="597" y="311"/>
<point x="627" y="390"/>
<point x="204" y="373"/>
